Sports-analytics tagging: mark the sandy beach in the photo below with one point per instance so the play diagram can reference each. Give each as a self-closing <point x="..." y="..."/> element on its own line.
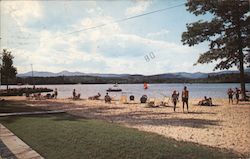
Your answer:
<point x="223" y="126"/>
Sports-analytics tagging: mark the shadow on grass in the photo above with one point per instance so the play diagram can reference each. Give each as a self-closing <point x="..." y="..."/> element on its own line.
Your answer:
<point x="16" y="106"/>
<point x="54" y="117"/>
<point x="134" y="118"/>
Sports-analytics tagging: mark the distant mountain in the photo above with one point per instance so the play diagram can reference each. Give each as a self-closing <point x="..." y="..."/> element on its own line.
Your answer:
<point x="49" y="74"/>
<point x="195" y="75"/>
<point x="67" y="73"/>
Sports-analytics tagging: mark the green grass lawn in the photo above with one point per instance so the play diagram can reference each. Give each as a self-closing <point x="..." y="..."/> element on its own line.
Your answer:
<point x="65" y="136"/>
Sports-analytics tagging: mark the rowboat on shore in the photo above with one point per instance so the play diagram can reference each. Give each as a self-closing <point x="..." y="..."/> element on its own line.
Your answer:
<point x="114" y="90"/>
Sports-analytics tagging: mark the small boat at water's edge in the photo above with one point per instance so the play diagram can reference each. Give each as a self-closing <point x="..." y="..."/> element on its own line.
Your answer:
<point x="114" y="90"/>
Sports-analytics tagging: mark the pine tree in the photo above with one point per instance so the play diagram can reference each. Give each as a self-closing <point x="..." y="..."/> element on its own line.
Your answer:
<point x="228" y="33"/>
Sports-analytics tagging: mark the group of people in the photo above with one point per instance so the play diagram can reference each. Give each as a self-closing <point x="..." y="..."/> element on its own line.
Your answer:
<point x="231" y="93"/>
<point x="184" y="97"/>
<point x="39" y="96"/>
<point x="175" y="98"/>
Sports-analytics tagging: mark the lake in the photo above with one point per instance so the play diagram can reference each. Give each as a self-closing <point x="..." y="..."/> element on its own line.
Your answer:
<point x="154" y="90"/>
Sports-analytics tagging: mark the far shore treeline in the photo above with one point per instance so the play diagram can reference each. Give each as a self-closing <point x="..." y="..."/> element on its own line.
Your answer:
<point x="130" y="79"/>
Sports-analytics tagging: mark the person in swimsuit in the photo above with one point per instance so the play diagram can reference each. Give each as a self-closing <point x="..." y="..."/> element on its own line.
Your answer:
<point x="175" y="96"/>
<point x="55" y="93"/>
<point x="237" y="95"/>
<point x="230" y="93"/>
<point x="185" y="96"/>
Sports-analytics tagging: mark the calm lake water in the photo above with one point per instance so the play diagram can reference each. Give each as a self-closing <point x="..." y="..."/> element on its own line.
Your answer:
<point x="154" y="90"/>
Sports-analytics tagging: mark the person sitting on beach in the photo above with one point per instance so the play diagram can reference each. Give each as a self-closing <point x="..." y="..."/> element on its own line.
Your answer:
<point x="185" y="96"/>
<point x="175" y="97"/>
<point x="230" y="93"/>
<point x="206" y="101"/>
<point x="75" y="97"/>
<point x="237" y="95"/>
<point x="107" y="98"/>
<point x="96" y="97"/>
<point x="144" y="99"/>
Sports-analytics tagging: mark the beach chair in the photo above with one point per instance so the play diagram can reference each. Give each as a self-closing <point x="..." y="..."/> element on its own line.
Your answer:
<point x="166" y="101"/>
<point x="123" y="99"/>
<point x="151" y="102"/>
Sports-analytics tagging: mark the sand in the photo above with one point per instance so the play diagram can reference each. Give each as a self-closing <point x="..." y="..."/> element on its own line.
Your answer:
<point x="222" y="126"/>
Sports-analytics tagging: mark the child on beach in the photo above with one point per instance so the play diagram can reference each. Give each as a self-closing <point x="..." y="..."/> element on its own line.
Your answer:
<point x="237" y="95"/>
<point x="175" y="96"/>
<point x="185" y="96"/>
<point x="230" y="93"/>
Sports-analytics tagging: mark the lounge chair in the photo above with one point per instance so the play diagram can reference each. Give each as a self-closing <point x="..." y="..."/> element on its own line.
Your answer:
<point x="123" y="99"/>
<point x="166" y="101"/>
<point x="151" y="102"/>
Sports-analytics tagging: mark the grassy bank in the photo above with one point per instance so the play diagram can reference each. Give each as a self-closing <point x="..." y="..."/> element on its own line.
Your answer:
<point x="66" y="136"/>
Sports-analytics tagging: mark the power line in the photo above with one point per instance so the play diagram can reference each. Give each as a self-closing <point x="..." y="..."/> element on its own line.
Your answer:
<point x="121" y="20"/>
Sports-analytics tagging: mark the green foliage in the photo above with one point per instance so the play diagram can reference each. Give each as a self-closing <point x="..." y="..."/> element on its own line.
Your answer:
<point x="212" y="78"/>
<point x="228" y="33"/>
<point x="8" y="71"/>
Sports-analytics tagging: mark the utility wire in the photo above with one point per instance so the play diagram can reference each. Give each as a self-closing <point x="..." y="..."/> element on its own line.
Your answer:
<point x="121" y="20"/>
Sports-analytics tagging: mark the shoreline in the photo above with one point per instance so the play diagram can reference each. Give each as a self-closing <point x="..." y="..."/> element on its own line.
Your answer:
<point x="222" y="126"/>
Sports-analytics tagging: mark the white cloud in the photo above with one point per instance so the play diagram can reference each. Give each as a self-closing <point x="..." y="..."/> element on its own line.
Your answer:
<point x="140" y="7"/>
<point x="107" y="49"/>
<point x="22" y="11"/>
<point x="159" y="34"/>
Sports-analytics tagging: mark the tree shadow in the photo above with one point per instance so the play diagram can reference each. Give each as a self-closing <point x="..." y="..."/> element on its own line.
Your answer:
<point x="141" y="117"/>
<point x="161" y="119"/>
<point x="184" y="122"/>
<point x="202" y="113"/>
<point x="214" y="105"/>
<point x="54" y="117"/>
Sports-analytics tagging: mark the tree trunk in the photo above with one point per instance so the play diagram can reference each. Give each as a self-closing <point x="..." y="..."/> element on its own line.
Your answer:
<point x="241" y="60"/>
<point x="242" y="76"/>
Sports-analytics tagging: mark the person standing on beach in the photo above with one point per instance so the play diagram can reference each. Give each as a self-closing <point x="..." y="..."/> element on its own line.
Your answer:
<point x="230" y="93"/>
<point x="185" y="96"/>
<point x="55" y="93"/>
<point x="175" y="96"/>
<point x="237" y="95"/>
<point x="74" y="93"/>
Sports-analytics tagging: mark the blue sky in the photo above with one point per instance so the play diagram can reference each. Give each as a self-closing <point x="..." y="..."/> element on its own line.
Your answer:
<point x="37" y="33"/>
